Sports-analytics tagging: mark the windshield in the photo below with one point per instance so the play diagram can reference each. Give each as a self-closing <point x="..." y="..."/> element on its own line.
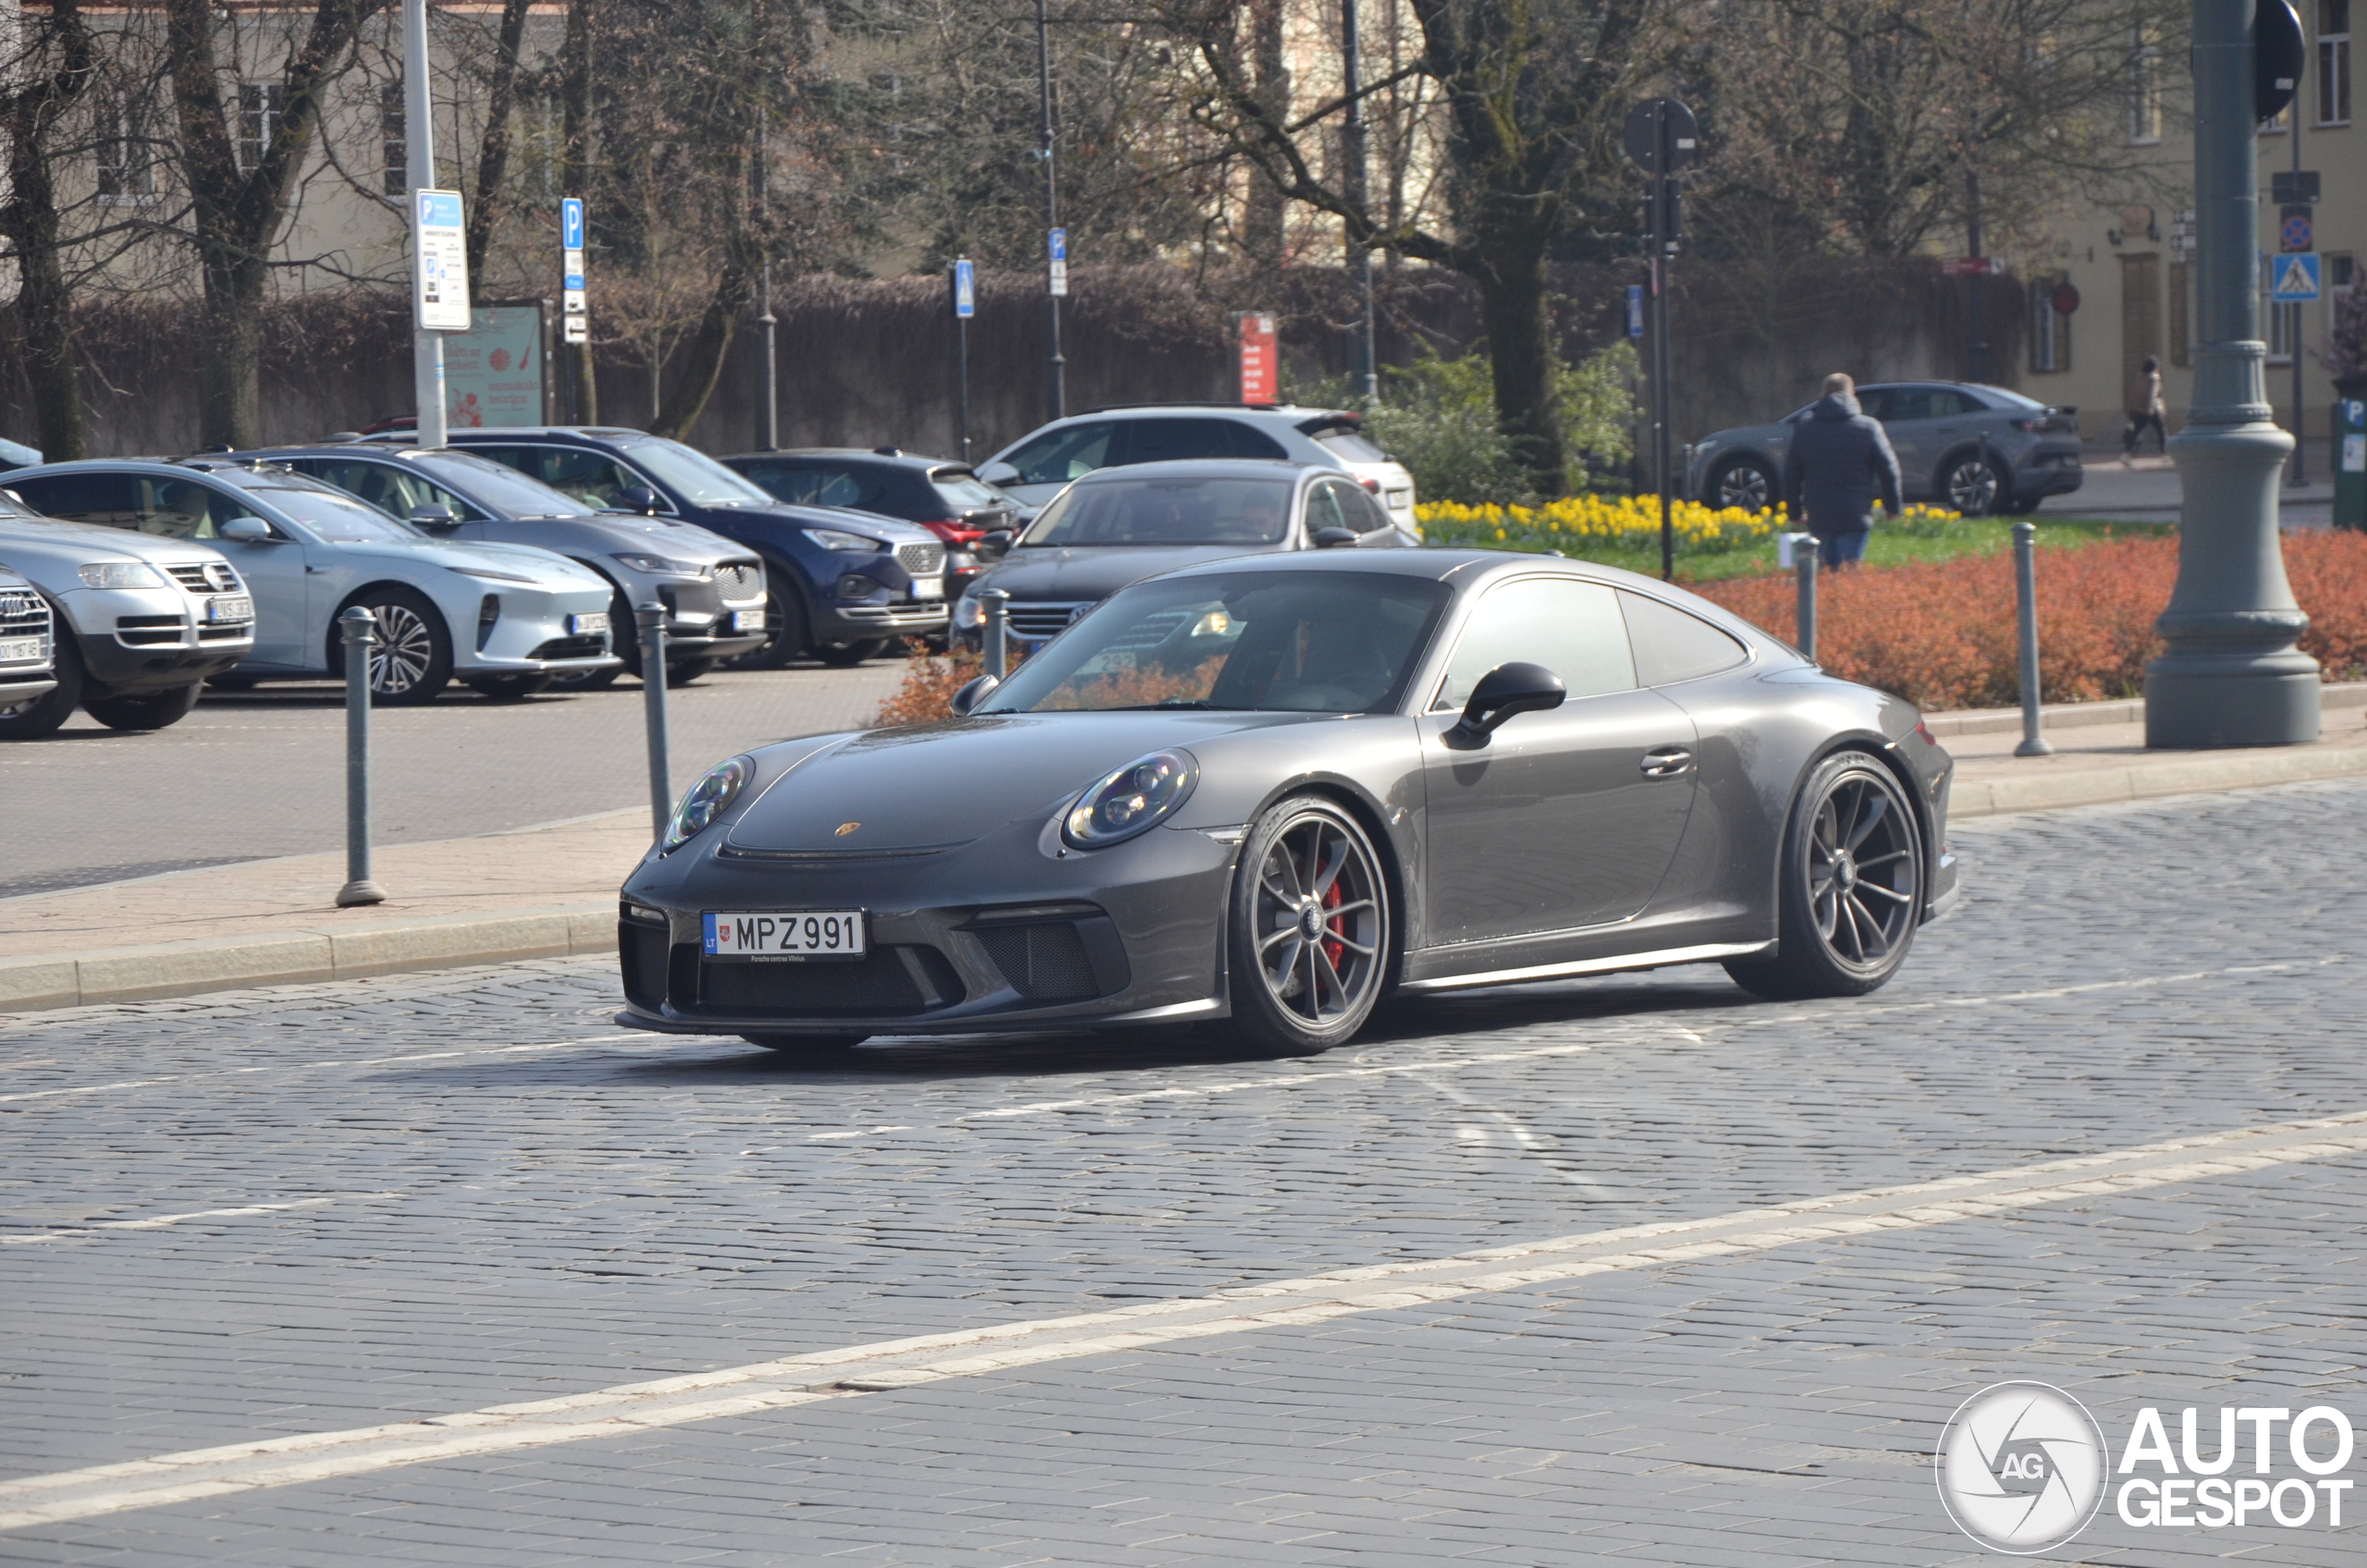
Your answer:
<point x="1271" y="642"/>
<point x="965" y="492"/>
<point x="696" y="477"/>
<point x="1166" y="512"/>
<point x="498" y="488"/>
<point x="340" y="520"/>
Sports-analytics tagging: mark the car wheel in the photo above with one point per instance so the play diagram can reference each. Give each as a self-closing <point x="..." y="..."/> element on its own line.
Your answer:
<point x="684" y="671"/>
<point x="413" y="659"/>
<point x="586" y="679"/>
<point x="510" y="688"/>
<point x="1852" y="888"/>
<point x="846" y="656"/>
<point x="1970" y="484"/>
<point x="31" y="721"/>
<point x="2020" y="506"/>
<point x="818" y="1051"/>
<point x="151" y="710"/>
<point x="785" y="635"/>
<point x="1746" y="482"/>
<point x="624" y="641"/>
<point x="1310" y="928"/>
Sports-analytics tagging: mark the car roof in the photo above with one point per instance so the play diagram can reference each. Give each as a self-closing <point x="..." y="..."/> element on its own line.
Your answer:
<point x="915" y="460"/>
<point x="1205" y="468"/>
<point x="1285" y="410"/>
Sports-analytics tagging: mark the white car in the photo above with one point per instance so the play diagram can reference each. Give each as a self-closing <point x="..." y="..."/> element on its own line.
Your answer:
<point x="1036" y="467"/>
<point x="505" y="618"/>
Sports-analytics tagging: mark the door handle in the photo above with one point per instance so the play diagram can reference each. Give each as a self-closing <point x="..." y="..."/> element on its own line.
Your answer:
<point x="1667" y="761"/>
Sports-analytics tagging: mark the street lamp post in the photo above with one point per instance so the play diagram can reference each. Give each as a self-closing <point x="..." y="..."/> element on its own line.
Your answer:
<point x="2232" y="676"/>
<point x="768" y="401"/>
<point x="419" y="151"/>
<point x="1362" y="369"/>
<point x="1056" y="395"/>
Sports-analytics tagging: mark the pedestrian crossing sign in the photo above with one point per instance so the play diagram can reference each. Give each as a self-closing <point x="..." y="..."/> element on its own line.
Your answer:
<point x="2296" y="279"/>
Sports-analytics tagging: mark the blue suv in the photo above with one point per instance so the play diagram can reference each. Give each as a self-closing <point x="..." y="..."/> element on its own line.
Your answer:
<point x="846" y="585"/>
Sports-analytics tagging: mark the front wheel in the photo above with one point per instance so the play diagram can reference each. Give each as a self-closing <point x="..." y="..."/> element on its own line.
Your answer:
<point x="1852" y="888"/>
<point x="784" y="634"/>
<point x="1972" y="484"/>
<point x="1745" y="483"/>
<point x="412" y="659"/>
<point x="1310" y="928"/>
<point x="151" y="710"/>
<point x="42" y="715"/>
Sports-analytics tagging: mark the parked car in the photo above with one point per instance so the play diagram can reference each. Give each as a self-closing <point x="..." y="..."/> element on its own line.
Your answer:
<point x="844" y="585"/>
<point x="28" y="652"/>
<point x="1971" y="448"/>
<point x="1274" y="789"/>
<point x="713" y="589"/>
<point x="139" y="623"/>
<point x="1034" y="468"/>
<point x="1120" y="525"/>
<point x="946" y="498"/>
<point x="503" y="618"/>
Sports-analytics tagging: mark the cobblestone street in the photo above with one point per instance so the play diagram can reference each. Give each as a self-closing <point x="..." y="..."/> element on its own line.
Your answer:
<point x="297" y="1212"/>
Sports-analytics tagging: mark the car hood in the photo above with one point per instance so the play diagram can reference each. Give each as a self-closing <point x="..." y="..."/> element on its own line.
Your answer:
<point x="79" y="544"/>
<point x="538" y="566"/>
<point x="1096" y="572"/>
<point x="885" y="789"/>
<point x="659" y="536"/>
<point x="871" y="525"/>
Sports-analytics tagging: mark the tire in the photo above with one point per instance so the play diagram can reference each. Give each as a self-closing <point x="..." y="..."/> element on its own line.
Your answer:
<point x="846" y="656"/>
<point x="31" y="721"/>
<point x="785" y="623"/>
<point x="1971" y="485"/>
<point x="414" y="660"/>
<point x="151" y="710"/>
<point x="1308" y="931"/>
<point x="624" y="641"/>
<point x="2020" y="506"/>
<point x="814" y="1050"/>
<point x="1746" y="482"/>
<point x="586" y="679"/>
<point x="683" y="672"/>
<point x="1849" y="916"/>
<point x="510" y="688"/>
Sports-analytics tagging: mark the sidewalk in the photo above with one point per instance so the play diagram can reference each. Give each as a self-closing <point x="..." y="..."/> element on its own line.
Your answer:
<point x="550" y="891"/>
<point x="2147" y="490"/>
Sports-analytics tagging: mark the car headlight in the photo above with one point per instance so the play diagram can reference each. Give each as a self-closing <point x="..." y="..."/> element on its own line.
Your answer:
<point x="659" y="566"/>
<point x="1134" y="800"/>
<point x="490" y="575"/>
<point x="968" y="614"/>
<point x="119" y="574"/>
<point x="705" y="802"/>
<point x="838" y="539"/>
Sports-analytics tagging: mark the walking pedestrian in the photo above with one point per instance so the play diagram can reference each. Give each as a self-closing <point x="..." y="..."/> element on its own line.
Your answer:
<point x="1838" y="464"/>
<point x="2144" y="411"/>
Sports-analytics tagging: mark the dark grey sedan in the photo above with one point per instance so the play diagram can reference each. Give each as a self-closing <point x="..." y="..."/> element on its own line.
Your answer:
<point x="1974" y="449"/>
<point x="1270" y="790"/>
<point x="1120" y="525"/>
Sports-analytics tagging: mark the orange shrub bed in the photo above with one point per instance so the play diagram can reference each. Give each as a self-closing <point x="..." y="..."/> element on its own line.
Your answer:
<point x="1941" y="634"/>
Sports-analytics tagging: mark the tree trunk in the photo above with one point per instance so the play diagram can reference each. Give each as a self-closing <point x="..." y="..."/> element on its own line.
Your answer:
<point x="1520" y="354"/>
<point x="702" y="366"/>
<point x="229" y="378"/>
<point x="29" y="220"/>
<point x="1262" y="231"/>
<point x="492" y="158"/>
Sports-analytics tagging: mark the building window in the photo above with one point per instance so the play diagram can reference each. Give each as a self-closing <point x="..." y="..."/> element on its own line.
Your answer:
<point x="126" y="173"/>
<point x="2182" y="348"/>
<point x="2283" y="321"/>
<point x="2144" y="88"/>
<point x="2333" y="62"/>
<point x="394" y="137"/>
<point x="2050" y="328"/>
<point x="260" y="106"/>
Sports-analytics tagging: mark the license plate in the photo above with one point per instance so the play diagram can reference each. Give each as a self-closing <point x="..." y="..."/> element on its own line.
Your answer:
<point x="785" y="934"/>
<point x="747" y="621"/>
<point x="928" y="587"/>
<point x="16" y="648"/>
<point x="587" y="625"/>
<point x="230" y="606"/>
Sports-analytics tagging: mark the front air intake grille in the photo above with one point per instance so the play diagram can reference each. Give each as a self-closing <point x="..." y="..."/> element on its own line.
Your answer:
<point x="23" y="613"/>
<point x="641" y="949"/>
<point x="921" y="560"/>
<point x="205" y="576"/>
<point x="590" y="647"/>
<point x="148" y="631"/>
<point x="890" y="982"/>
<point x="1037" y="621"/>
<point x="1044" y="963"/>
<point x="739" y="580"/>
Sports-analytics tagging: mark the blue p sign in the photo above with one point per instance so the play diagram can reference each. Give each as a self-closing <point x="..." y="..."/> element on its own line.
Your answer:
<point x="571" y="222"/>
<point x="1059" y="244"/>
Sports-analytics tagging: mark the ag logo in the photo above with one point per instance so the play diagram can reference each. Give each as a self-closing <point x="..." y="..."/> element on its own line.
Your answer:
<point x="2021" y="1467"/>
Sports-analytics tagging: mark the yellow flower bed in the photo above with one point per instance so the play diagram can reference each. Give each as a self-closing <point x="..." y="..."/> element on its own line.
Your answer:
<point x="1615" y="523"/>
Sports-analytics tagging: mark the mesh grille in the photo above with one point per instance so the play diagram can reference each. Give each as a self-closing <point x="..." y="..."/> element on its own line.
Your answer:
<point x="921" y="560"/>
<point x="878" y="986"/>
<point x="1040" y="621"/>
<point x="1043" y="963"/>
<point x="739" y="579"/>
<point x="22" y="614"/>
<point x="205" y="576"/>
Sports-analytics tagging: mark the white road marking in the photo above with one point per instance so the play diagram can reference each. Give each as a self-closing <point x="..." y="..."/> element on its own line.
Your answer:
<point x="854" y="1370"/>
<point x="158" y="1222"/>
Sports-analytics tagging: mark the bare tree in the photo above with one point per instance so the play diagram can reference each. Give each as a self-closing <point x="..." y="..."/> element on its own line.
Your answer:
<point x="53" y="69"/>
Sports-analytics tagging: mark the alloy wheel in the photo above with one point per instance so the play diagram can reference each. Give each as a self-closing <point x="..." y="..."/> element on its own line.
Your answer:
<point x="1972" y="487"/>
<point x="406" y="647"/>
<point x="1861" y="870"/>
<point x="1319" y="929"/>
<point x="1744" y="485"/>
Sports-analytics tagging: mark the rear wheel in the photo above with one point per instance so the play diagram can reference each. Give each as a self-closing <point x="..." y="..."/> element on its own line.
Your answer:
<point x="1746" y="482"/>
<point x="510" y="688"/>
<point x="1852" y="888"/>
<point x="31" y="721"/>
<point x="412" y="660"/>
<point x="1971" y="483"/>
<point x="846" y="656"/>
<point x="150" y="710"/>
<point x="813" y="1049"/>
<point x="1310" y="938"/>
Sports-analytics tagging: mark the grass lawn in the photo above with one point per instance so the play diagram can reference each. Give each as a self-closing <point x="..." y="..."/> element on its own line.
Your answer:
<point x="1930" y="541"/>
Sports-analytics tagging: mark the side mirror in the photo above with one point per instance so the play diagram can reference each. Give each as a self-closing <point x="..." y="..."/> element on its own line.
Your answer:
<point x="975" y="693"/>
<point x="999" y="473"/>
<point x="436" y="519"/>
<point x="1507" y="690"/>
<point x="246" y="531"/>
<point x="638" y="498"/>
<point x="1334" y="538"/>
<point x="995" y="543"/>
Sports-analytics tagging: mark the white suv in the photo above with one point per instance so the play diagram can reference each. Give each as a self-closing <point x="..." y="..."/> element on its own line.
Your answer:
<point x="1035" y="468"/>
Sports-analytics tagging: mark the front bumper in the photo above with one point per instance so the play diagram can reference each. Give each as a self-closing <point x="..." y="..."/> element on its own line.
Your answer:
<point x="1002" y="933"/>
<point x="24" y="686"/>
<point x="524" y="630"/>
<point x="699" y="617"/>
<point x="866" y="622"/>
<point x="140" y="640"/>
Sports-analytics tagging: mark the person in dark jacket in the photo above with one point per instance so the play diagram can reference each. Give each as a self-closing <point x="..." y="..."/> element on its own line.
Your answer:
<point x="1839" y="463"/>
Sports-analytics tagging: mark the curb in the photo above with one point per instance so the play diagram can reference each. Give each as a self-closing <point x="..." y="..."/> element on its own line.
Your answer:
<point x="2107" y="786"/>
<point x="2077" y="715"/>
<point x="181" y="969"/>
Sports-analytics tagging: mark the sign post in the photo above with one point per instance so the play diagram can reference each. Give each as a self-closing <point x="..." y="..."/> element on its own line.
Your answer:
<point x="966" y="305"/>
<point x="575" y="319"/>
<point x="1661" y="138"/>
<point x="440" y="245"/>
<point x="1262" y="364"/>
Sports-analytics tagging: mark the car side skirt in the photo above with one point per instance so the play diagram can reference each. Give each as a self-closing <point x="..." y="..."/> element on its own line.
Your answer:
<point x="1707" y="952"/>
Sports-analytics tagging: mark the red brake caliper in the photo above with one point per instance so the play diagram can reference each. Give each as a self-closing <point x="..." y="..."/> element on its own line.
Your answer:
<point x="1333" y="898"/>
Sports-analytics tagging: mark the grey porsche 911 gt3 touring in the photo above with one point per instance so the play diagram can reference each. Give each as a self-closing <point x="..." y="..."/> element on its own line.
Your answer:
<point x="1277" y="789"/>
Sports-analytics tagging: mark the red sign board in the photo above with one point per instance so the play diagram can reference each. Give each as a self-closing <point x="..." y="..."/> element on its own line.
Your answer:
<point x="1969" y="266"/>
<point x="1261" y="361"/>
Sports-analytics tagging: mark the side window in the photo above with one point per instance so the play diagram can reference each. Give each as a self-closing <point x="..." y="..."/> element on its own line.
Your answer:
<point x="1884" y="403"/>
<point x="1671" y="646"/>
<point x="1572" y="627"/>
<point x="1059" y="456"/>
<point x="838" y="487"/>
<point x="1168" y="440"/>
<point x="795" y="485"/>
<point x="104" y="499"/>
<point x="1947" y="403"/>
<point x="590" y="477"/>
<point x="390" y="488"/>
<point x="185" y="508"/>
<point x="1323" y="509"/>
<point x="1363" y="512"/>
<point x="1246" y="440"/>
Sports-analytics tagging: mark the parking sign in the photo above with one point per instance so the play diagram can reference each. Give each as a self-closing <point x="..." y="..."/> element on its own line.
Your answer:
<point x="965" y="290"/>
<point x="1060" y="274"/>
<point x="439" y="262"/>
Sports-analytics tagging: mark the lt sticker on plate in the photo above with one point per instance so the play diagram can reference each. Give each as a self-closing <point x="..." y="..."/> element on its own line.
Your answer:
<point x="786" y="934"/>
